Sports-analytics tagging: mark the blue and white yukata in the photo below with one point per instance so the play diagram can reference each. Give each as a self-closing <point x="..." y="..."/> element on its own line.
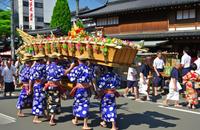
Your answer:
<point x="81" y="75"/>
<point x="24" y="100"/>
<point x="108" y="81"/>
<point x="54" y="74"/>
<point x="38" y="72"/>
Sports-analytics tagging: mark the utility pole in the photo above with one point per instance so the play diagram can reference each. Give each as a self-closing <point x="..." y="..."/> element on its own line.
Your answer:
<point x="77" y="8"/>
<point x="12" y="36"/>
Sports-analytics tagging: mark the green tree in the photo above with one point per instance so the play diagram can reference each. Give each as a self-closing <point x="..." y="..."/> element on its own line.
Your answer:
<point x="61" y="16"/>
<point x="5" y="23"/>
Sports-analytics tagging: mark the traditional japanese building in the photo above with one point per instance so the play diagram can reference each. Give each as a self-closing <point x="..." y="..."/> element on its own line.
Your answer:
<point x="164" y="24"/>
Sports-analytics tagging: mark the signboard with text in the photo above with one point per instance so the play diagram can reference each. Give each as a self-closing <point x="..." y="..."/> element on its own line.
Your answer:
<point x="32" y="14"/>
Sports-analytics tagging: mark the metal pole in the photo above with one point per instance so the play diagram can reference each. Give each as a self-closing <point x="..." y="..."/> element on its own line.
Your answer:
<point x="12" y="36"/>
<point x="77" y="8"/>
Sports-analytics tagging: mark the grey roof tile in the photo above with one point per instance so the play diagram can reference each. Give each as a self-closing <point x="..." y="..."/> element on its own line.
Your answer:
<point x="127" y="5"/>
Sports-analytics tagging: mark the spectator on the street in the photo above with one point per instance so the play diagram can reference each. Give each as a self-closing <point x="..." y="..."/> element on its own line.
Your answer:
<point x="13" y="66"/>
<point x="185" y="61"/>
<point x="144" y="80"/>
<point x="174" y="86"/>
<point x="8" y="73"/>
<point x="197" y="62"/>
<point x="190" y="80"/>
<point x="1" y="77"/>
<point x="158" y="65"/>
<point x="132" y="82"/>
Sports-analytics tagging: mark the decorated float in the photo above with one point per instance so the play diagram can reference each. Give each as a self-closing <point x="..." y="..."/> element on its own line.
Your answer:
<point x="104" y="51"/>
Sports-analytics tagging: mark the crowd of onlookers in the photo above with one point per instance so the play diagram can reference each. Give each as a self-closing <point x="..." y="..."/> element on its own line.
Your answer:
<point x="9" y="80"/>
<point x="184" y="80"/>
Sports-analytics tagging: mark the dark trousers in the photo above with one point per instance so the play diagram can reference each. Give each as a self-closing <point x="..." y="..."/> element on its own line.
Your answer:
<point x="9" y="87"/>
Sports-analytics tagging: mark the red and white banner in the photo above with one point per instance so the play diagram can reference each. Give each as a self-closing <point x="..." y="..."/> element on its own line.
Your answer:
<point x="32" y="14"/>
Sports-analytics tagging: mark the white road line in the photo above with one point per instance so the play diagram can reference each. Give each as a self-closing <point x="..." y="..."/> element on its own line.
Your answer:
<point x="8" y="117"/>
<point x="182" y="110"/>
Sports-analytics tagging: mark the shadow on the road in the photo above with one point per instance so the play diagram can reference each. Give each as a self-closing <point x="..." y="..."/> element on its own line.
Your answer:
<point x="95" y="118"/>
<point x="123" y="107"/>
<point x="8" y="97"/>
<point x="155" y="98"/>
<point x="153" y="119"/>
<point x="66" y="117"/>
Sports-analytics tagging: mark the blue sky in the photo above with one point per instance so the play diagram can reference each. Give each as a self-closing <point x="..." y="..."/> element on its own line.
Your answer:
<point x="83" y="3"/>
<point x="72" y="4"/>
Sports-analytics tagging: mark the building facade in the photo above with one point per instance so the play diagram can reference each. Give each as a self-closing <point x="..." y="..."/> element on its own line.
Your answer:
<point x="164" y="24"/>
<point x="33" y="14"/>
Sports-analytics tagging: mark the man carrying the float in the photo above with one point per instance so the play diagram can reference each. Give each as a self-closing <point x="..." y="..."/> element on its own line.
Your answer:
<point x="53" y="86"/>
<point x="24" y="99"/>
<point x="38" y="77"/>
<point x="107" y="85"/>
<point x="81" y="75"/>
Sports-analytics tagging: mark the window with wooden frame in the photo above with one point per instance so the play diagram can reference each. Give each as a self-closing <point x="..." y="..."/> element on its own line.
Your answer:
<point x="186" y="14"/>
<point x="107" y="21"/>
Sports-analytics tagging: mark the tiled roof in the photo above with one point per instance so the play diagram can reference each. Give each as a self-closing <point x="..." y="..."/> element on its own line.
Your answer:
<point x="131" y="5"/>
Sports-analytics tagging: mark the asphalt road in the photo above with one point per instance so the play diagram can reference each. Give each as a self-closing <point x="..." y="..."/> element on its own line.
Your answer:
<point x="132" y="115"/>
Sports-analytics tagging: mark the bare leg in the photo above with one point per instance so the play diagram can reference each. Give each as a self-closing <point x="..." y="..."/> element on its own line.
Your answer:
<point x="132" y="91"/>
<point x="136" y="93"/>
<point x="126" y="91"/>
<point x="114" y="127"/>
<point x="177" y="104"/>
<point x="193" y="106"/>
<point x="85" y="124"/>
<point x="189" y="105"/>
<point x="46" y="114"/>
<point x="165" y="102"/>
<point x="103" y="124"/>
<point x="75" y="120"/>
<point x="20" y="113"/>
<point x="52" y="122"/>
<point x="155" y="90"/>
<point x="36" y="120"/>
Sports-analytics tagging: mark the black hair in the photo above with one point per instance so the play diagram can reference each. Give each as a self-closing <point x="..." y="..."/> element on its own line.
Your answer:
<point x="159" y="51"/>
<point x="186" y="49"/>
<point x="110" y="69"/>
<point x="53" y="59"/>
<point x="193" y="66"/>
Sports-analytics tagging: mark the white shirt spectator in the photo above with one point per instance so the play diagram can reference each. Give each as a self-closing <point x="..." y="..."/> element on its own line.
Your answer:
<point x="8" y="74"/>
<point x="158" y="63"/>
<point x="132" y="74"/>
<point x="186" y="60"/>
<point x="197" y="62"/>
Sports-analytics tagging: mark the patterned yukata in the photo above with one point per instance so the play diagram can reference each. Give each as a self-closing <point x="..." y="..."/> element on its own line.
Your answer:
<point x="38" y="72"/>
<point x="81" y="74"/>
<point x="24" y="100"/>
<point x="109" y="80"/>
<point x="92" y="71"/>
<point x="189" y="80"/>
<point x="54" y="73"/>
